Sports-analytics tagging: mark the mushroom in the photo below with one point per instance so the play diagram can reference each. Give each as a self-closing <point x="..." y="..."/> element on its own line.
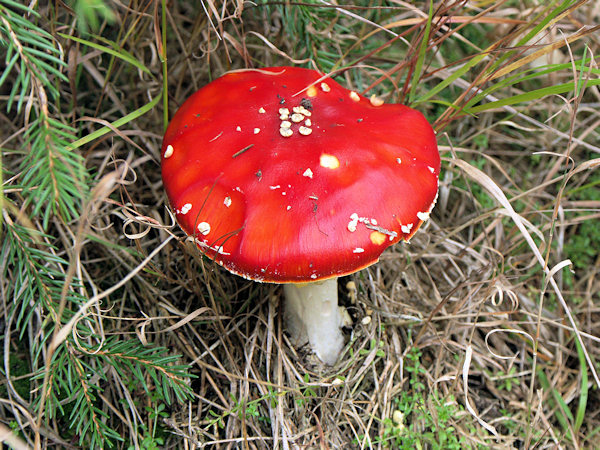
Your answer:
<point x="282" y="175"/>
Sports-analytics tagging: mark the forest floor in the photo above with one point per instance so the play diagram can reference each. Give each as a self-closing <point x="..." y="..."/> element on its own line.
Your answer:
<point x="482" y="332"/>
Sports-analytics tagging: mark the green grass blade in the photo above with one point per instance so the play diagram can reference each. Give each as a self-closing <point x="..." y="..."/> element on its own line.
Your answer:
<point x="526" y="75"/>
<point x="18" y="5"/>
<point x="553" y="16"/>
<point x="529" y="96"/>
<point x="116" y="124"/>
<point x="582" y="70"/>
<point x="451" y="79"/>
<point x="583" y="390"/>
<point x="422" y="50"/>
<point x="114" y="50"/>
<point x="562" y="411"/>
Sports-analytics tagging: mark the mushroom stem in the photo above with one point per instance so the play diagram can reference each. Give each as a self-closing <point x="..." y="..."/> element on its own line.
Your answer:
<point x="312" y="315"/>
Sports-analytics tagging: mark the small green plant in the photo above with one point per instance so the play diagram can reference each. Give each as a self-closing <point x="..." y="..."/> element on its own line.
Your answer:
<point x="245" y="409"/>
<point x="307" y="391"/>
<point x="508" y="422"/>
<point x="420" y="419"/>
<point x="428" y="418"/>
<point x="507" y="380"/>
<point x="584" y="239"/>
<point x="374" y="346"/>
<point x="150" y="439"/>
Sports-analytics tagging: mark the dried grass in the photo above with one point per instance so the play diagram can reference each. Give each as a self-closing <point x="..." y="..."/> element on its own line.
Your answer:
<point x="468" y="291"/>
<point x="475" y="290"/>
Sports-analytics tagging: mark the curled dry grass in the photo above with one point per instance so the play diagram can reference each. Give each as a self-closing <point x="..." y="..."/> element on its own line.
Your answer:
<point x="495" y="344"/>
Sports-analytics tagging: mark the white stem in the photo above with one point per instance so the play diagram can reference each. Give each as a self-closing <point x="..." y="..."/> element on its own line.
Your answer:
<point x="312" y="315"/>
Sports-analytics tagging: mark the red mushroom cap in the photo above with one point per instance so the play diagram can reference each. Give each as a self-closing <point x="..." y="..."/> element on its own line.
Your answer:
<point x="283" y="175"/>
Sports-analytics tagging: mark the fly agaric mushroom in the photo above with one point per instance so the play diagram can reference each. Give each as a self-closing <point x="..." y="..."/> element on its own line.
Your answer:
<point x="282" y="175"/>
